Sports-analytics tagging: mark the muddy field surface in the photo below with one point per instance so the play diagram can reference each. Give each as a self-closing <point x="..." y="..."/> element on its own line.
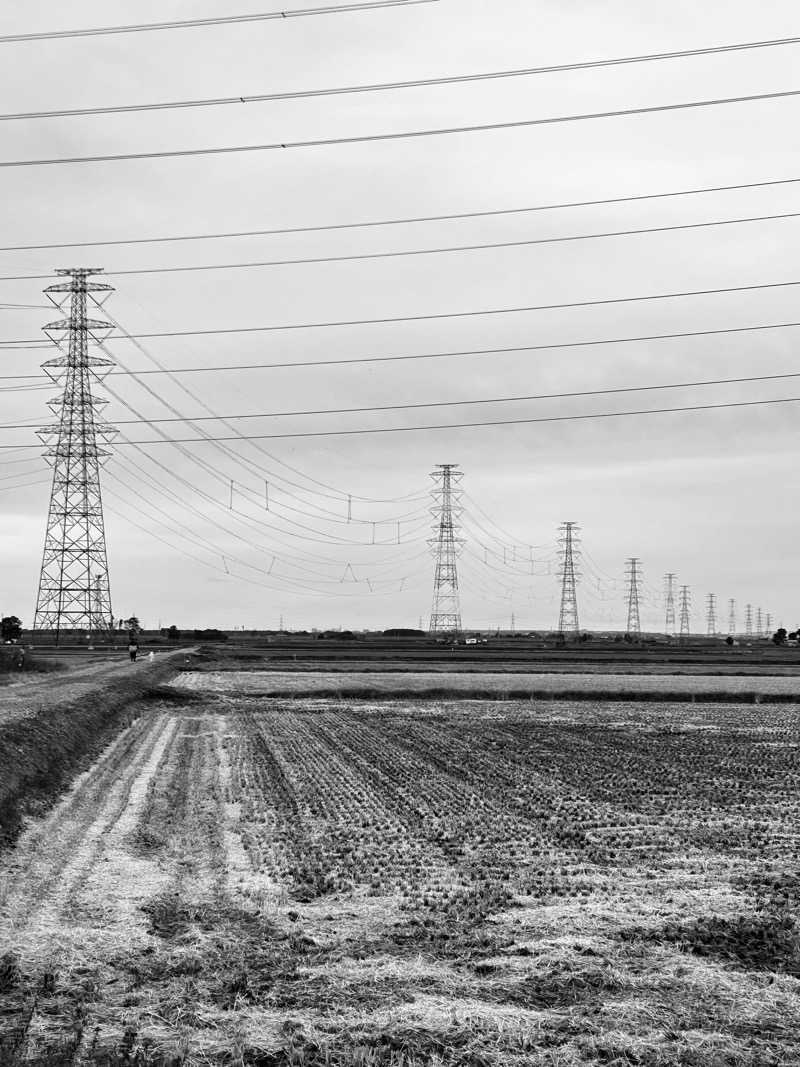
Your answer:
<point x="259" y="682"/>
<point x="240" y="881"/>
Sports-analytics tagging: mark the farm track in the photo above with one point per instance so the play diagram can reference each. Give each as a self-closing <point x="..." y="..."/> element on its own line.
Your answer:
<point x="490" y="882"/>
<point x="32" y="693"/>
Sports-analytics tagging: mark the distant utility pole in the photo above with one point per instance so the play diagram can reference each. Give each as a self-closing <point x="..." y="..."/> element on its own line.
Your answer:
<point x="759" y="623"/>
<point x="685" y="607"/>
<point x="731" y="618"/>
<point x="748" y="620"/>
<point x="633" y="575"/>
<point x="445" y="546"/>
<point x="74" y="589"/>
<point x="669" y="598"/>
<point x="768" y="625"/>
<point x="711" y="615"/>
<point x="570" y="554"/>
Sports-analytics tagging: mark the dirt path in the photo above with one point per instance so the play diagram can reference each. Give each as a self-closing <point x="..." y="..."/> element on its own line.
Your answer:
<point x="33" y="692"/>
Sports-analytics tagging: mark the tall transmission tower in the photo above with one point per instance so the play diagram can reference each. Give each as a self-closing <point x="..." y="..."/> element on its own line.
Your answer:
<point x="74" y="591"/>
<point x="748" y="620"/>
<point x="767" y="625"/>
<point x="446" y="545"/>
<point x="731" y="618"/>
<point x="669" y="599"/>
<point x="759" y="623"/>
<point x="711" y="615"/>
<point x="568" y="573"/>
<point x="685" y="608"/>
<point x="633" y="574"/>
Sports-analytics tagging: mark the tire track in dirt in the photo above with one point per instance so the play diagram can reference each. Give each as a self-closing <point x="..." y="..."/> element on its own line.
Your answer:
<point x="71" y="878"/>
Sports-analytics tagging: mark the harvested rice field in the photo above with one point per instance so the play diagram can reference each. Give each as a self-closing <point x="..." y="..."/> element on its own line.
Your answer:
<point x="241" y="879"/>
<point x="395" y="683"/>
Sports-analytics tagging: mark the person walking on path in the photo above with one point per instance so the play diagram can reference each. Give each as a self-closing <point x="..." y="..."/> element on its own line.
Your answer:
<point x="133" y="647"/>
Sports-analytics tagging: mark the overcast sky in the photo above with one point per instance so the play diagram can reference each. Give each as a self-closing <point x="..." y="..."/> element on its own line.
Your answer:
<point x="709" y="495"/>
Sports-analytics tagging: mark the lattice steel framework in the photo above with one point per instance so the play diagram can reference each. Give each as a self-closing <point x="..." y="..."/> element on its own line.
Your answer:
<point x="685" y="610"/>
<point x="74" y="591"/>
<point x="711" y="614"/>
<point x="731" y="618"/>
<point x="748" y="620"/>
<point x="669" y="600"/>
<point x="768" y="625"/>
<point x="446" y="548"/>
<point x="633" y="575"/>
<point x="569" y="544"/>
<point x="759" y="623"/>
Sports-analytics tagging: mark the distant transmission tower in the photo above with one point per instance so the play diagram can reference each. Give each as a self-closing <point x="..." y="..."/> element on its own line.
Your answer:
<point x="74" y="591"/>
<point x="767" y="625"/>
<point x="445" y="545"/>
<point x="731" y="617"/>
<point x="759" y="623"/>
<point x="669" y="599"/>
<point x="685" y="607"/>
<point x="633" y="575"/>
<point x="568" y="615"/>
<point x="711" y="615"/>
<point x="748" y="620"/>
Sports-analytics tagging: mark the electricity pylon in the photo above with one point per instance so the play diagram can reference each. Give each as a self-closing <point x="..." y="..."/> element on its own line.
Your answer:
<point x="685" y="606"/>
<point x="748" y="620"/>
<point x="446" y="546"/>
<point x="568" y="614"/>
<point x="669" y="599"/>
<point x="633" y="575"/>
<point x="767" y="625"/>
<point x="74" y="591"/>
<point x="759" y="623"/>
<point x="711" y="615"/>
<point x="731" y="618"/>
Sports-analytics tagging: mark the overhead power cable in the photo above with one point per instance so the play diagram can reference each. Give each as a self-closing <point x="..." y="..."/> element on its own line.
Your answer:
<point x="338" y="493"/>
<point x="414" y="83"/>
<point x="757" y="287"/>
<point x="327" y="142"/>
<point x="371" y="223"/>
<point x="441" y="250"/>
<point x="433" y="404"/>
<point x="599" y="341"/>
<point x="217" y="20"/>
<point x="366" y="431"/>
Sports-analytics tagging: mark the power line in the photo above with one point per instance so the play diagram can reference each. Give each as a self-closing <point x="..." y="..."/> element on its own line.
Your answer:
<point x="454" y="425"/>
<point x="760" y="286"/>
<point x="404" y="253"/>
<point x="414" y="356"/>
<point x="435" y="404"/>
<point x="219" y="20"/>
<point x="403" y="221"/>
<point x="327" y="142"/>
<point x="415" y="83"/>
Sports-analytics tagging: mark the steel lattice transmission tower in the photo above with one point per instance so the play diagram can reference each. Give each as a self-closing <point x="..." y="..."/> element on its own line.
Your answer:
<point x="759" y="623"/>
<point x="633" y="575"/>
<point x="74" y="591"/>
<point x="568" y="573"/>
<point x="711" y="615"/>
<point x="669" y="599"/>
<point x="685" y="609"/>
<point x="446" y="546"/>
<point x="731" y="618"/>
<point x="767" y="625"/>
<point x="748" y="620"/>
